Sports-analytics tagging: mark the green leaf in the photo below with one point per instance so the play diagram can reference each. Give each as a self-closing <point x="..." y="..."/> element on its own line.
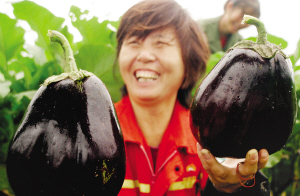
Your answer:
<point x="97" y="50"/>
<point x="99" y="59"/>
<point x="213" y="60"/>
<point x="4" y="88"/>
<point x="43" y="72"/>
<point x="297" y="52"/>
<point x="297" y="80"/>
<point x="113" y="83"/>
<point x="25" y="65"/>
<point x="11" y="38"/>
<point x="95" y="58"/>
<point x="40" y="20"/>
<point x="274" y="159"/>
<point x="93" y="32"/>
<point x="28" y="94"/>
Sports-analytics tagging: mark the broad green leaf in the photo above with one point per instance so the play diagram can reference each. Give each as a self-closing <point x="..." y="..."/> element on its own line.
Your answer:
<point x="28" y="94"/>
<point x="2" y="78"/>
<point x="113" y="83"/>
<point x="274" y="159"/>
<point x="297" y="52"/>
<point x="297" y="80"/>
<point x="99" y="59"/>
<point x="113" y="36"/>
<point x="38" y="54"/>
<point x="213" y="60"/>
<point x="4" y="88"/>
<point x="25" y="65"/>
<point x="43" y="72"/>
<point x="11" y="38"/>
<point x="293" y="61"/>
<point x="91" y="30"/>
<point x="95" y="58"/>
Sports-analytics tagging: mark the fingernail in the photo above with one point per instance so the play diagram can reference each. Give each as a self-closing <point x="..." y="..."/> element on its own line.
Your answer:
<point x="205" y="153"/>
<point x="253" y="154"/>
<point x="264" y="154"/>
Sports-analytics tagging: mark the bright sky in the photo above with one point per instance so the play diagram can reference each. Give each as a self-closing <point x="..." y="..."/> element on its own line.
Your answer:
<point x="280" y="17"/>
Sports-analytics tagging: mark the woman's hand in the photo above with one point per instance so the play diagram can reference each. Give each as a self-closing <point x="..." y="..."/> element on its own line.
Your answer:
<point x="224" y="175"/>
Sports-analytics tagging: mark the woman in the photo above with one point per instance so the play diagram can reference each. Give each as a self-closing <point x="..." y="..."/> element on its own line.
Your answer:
<point x="222" y="31"/>
<point x="161" y="54"/>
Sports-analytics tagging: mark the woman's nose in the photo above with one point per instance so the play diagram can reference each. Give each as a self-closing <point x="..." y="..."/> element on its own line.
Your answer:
<point x="146" y="55"/>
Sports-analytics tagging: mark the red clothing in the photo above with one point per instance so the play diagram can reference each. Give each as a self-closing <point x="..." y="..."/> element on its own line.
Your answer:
<point x="223" y="40"/>
<point x="178" y="169"/>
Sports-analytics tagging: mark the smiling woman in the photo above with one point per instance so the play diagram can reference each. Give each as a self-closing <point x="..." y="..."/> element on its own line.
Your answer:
<point x="161" y="54"/>
<point x="150" y="65"/>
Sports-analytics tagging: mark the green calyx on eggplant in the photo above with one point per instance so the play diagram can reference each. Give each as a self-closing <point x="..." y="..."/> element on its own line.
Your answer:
<point x="69" y="141"/>
<point x="247" y="101"/>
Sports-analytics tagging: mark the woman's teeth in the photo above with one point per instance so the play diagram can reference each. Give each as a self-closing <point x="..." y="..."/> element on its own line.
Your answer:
<point x="143" y="76"/>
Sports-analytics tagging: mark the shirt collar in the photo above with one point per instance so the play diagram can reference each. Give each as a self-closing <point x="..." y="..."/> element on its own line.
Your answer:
<point x="178" y="132"/>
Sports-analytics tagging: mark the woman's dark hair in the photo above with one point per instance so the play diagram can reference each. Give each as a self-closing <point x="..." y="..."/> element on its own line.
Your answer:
<point x="252" y="5"/>
<point x="150" y="15"/>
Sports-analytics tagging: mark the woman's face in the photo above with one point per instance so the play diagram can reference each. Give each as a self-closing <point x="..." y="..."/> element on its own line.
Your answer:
<point x="152" y="68"/>
<point x="235" y="17"/>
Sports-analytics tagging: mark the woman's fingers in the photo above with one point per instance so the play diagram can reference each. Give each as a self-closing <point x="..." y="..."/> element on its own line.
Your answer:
<point x="208" y="161"/>
<point x="254" y="161"/>
<point x="263" y="158"/>
<point x="218" y="173"/>
<point x="250" y="166"/>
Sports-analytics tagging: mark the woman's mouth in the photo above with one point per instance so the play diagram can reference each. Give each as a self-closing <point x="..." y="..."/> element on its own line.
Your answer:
<point x="146" y="76"/>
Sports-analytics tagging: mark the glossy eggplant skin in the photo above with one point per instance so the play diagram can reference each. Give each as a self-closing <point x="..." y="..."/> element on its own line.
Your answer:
<point x="246" y="102"/>
<point x="69" y="143"/>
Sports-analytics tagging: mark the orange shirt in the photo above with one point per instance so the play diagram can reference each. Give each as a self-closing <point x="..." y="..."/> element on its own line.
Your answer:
<point x="178" y="169"/>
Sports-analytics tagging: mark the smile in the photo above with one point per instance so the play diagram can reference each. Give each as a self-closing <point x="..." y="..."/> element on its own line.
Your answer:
<point x="146" y="76"/>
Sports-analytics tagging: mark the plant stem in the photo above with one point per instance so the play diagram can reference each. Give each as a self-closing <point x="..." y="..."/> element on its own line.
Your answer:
<point x="262" y="33"/>
<point x="70" y="64"/>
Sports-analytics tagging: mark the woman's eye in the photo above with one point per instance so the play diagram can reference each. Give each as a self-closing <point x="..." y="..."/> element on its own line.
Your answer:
<point x="161" y="43"/>
<point x="133" y="43"/>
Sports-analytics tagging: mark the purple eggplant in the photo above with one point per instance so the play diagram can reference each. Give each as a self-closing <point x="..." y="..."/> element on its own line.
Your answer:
<point x="69" y="142"/>
<point x="247" y="101"/>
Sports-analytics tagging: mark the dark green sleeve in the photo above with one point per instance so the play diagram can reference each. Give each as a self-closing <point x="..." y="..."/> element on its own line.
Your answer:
<point x="261" y="188"/>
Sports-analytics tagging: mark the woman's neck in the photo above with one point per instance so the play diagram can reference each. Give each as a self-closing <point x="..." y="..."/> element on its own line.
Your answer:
<point x="153" y="119"/>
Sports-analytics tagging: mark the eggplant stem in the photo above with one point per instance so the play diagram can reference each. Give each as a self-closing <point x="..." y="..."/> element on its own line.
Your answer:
<point x="262" y="33"/>
<point x="70" y="64"/>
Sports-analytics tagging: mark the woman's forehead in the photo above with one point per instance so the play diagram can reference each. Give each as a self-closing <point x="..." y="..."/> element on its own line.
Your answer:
<point x="166" y="32"/>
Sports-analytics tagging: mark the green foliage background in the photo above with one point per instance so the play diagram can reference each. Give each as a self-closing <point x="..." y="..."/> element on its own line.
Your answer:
<point x="24" y="67"/>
